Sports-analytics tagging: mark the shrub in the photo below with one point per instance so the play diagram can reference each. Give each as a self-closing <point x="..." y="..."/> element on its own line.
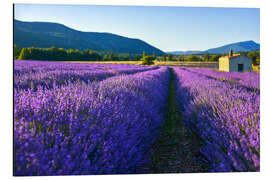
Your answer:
<point x="147" y="60"/>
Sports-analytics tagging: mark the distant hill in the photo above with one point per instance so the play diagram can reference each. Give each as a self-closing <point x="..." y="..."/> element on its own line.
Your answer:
<point x="45" y="34"/>
<point x="236" y="47"/>
<point x="183" y="52"/>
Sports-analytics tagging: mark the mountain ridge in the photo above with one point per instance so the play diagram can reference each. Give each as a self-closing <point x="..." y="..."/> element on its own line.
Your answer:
<point x="241" y="46"/>
<point x="47" y="34"/>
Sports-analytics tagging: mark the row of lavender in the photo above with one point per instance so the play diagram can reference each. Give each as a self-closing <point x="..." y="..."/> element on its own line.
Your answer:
<point x="249" y="79"/>
<point x="22" y="66"/>
<point x="226" y="117"/>
<point x="105" y="127"/>
<point x="30" y="74"/>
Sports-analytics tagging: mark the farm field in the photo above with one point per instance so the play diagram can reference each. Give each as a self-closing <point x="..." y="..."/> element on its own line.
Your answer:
<point x="98" y="118"/>
<point x="109" y="62"/>
<point x="213" y="65"/>
<point x="207" y="65"/>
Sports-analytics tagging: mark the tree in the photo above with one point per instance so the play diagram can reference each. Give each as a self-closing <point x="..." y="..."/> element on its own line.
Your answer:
<point x="136" y="57"/>
<point x="154" y="55"/>
<point x="180" y="58"/>
<point x="24" y="54"/>
<point x="94" y="56"/>
<point x="112" y="57"/>
<point x="163" y="58"/>
<point x="255" y="56"/>
<point x="16" y="51"/>
<point x="61" y="54"/>
<point x="71" y="55"/>
<point x="214" y="58"/>
<point x="147" y="60"/>
<point x="169" y="57"/>
<point x="105" y="57"/>
<point x="258" y="60"/>
<point x="193" y="58"/>
<point x="144" y="54"/>
<point x="206" y="57"/>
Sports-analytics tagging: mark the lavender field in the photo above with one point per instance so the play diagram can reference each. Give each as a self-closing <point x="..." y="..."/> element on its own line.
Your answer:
<point x="225" y="115"/>
<point x="83" y="118"/>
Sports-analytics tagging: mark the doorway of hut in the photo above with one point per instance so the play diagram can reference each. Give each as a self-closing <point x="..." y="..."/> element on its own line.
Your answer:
<point x="240" y="67"/>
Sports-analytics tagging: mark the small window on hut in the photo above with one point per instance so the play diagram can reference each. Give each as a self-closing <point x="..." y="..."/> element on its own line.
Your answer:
<point x="240" y="67"/>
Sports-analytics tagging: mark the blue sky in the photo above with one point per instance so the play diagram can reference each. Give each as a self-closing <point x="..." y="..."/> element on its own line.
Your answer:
<point x="167" y="28"/>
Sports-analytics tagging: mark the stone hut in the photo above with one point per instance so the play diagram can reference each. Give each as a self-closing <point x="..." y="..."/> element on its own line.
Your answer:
<point x="235" y="63"/>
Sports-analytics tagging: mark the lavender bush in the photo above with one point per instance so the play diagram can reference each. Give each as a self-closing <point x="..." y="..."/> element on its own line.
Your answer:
<point x="32" y="74"/>
<point x="103" y="127"/>
<point x="247" y="79"/>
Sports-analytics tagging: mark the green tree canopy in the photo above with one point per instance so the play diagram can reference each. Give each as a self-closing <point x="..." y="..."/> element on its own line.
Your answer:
<point x="24" y="54"/>
<point x="206" y="57"/>
<point x="147" y="60"/>
<point x="16" y="51"/>
<point x="169" y="57"/>
<point x="193" y="58"/>
<point x="214" y="58"/>
<point x="255" y="56"/>
<point x="163" y="58"/>
<point x="180" y="58"/>
<point x="154" y="54"/>
<point x="144" y="54"/>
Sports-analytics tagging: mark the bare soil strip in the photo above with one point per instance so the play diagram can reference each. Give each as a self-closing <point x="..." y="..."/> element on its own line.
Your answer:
<point x="177" y="150"/>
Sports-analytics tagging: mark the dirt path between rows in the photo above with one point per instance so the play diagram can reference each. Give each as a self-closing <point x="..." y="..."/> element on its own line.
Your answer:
<point x="177" y="150"/>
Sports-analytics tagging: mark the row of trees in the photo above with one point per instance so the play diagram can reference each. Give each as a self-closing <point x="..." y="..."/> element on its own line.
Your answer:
<point x="191" y="58"/>
<point x="148" y="60"/>
<point x="53" y="53"/>
<point x="60" y="54"/>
